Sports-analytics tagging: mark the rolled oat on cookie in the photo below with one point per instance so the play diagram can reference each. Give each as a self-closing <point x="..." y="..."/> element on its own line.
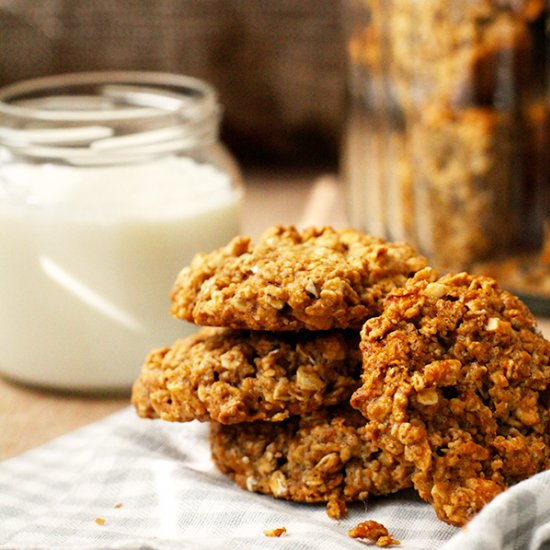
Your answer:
<point x="233" y="376"/>
<point x="315" y="279"/>
<point x="324" y="456"/>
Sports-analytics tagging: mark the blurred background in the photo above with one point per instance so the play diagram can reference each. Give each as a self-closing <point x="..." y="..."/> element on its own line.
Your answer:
<point x="279" y="66"/>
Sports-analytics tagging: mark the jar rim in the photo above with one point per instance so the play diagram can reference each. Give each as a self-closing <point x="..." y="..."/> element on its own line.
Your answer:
<point x="149" y="94"/>
<point x="107" y="117"/>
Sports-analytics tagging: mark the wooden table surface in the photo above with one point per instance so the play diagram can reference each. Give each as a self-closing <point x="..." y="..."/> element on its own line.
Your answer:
<point x="31" y="417"/>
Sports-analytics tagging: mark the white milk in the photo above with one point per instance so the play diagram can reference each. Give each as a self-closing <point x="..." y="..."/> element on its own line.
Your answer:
<point x="88" y="258"/>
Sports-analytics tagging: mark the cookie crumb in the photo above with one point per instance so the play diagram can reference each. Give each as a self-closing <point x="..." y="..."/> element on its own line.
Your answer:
<point x="387" y="541"/>
<point x="275" y="532"/>
<point x="118" y="505"/>
<point x="336" y="508"/>
<point x="100" y="521"/>
<point x="374" y="532"/>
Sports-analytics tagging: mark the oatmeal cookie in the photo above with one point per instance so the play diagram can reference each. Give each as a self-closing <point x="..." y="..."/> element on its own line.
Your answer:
<point x="456" y="382"/>
<point x="240" y="376"/>
<point x="324" y="456"/>
<point x="316" y="279"/>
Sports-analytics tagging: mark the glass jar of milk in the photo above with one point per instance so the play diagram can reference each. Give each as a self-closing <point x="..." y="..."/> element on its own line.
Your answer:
<point x="109" y="184"/>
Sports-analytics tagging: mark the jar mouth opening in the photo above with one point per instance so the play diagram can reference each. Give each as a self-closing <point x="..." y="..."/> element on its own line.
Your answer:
<point x="108" y="96"/>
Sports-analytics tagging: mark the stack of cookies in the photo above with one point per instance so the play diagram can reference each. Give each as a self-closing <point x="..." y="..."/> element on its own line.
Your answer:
<point x="335" y="365"/>
<point x="276" y="380"/>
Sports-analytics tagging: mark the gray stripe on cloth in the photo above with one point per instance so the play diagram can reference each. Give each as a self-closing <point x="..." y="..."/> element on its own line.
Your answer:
<point x="524" y="509"/>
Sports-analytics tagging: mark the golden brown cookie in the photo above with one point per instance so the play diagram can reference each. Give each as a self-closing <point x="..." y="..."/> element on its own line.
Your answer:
<point x="324" y="456"/>
<point x="456" y="382"/>
<point x="316" y="279"/>
<point x="241" y="376"/>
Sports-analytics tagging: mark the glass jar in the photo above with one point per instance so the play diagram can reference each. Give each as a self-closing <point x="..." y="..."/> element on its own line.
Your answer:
<point x="109" y="184"/>
<point x="447" y="137"/>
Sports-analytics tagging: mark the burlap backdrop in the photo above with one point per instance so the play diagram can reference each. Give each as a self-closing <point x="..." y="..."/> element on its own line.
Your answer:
<point x="278" y="64"/>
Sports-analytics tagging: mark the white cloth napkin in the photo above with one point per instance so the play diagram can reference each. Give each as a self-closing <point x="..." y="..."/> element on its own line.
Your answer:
<point x="130" y="483"/>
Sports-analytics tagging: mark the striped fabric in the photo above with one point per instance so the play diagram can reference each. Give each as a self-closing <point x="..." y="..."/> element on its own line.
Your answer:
<point x="129" y="483"/>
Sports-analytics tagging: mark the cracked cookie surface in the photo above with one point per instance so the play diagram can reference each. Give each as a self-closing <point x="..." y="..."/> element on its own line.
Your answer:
<point x="241" y="376"/>
<point x="456" y="382"/>
<point x="315" y="279"/>
<point x="324" y="456"/>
